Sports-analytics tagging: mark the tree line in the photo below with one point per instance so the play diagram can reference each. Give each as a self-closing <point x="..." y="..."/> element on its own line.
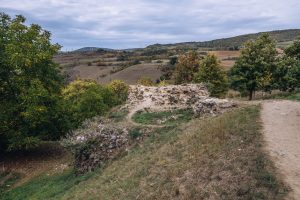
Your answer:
<point x="259" y="68"/>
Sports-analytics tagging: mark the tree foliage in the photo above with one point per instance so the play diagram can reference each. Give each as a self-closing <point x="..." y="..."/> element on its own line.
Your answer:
<point x="287" y="74"/>
<point x="211" y="73"/>
<point x="86" y="99"/>
<point x="253" y="69"/>
<point x="30" y="83"/>
<point x="187" y="65"/>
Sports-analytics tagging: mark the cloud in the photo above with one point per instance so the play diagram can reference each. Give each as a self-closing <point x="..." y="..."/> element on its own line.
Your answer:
<point x="136" y="23"/>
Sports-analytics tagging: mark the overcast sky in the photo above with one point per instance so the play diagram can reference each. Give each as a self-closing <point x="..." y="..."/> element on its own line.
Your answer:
<point x="137" y="23"/>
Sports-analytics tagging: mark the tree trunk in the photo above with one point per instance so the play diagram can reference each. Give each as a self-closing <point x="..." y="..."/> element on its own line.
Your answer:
<point x="250" y="95"/>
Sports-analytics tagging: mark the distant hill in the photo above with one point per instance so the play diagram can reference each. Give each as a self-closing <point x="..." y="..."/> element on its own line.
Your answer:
<point x="281" y="36"/>
<point x="91" y="49"/>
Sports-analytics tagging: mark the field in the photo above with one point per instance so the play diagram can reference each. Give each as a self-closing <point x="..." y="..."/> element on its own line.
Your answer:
<point x="104" y="67"/>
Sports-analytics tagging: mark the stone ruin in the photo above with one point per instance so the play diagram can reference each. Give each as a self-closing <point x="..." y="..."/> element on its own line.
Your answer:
<point x="195" y="96"/>
<point x="99" y="141"/>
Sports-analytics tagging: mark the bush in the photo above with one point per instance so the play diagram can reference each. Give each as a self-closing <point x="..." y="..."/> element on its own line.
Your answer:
<point x="120" y="88"/>
<point x="145" y="81"/>
<point x="86" y="99"/>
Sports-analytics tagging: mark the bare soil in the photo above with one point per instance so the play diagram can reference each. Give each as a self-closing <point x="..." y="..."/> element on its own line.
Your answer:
<point x="281" y="120"/>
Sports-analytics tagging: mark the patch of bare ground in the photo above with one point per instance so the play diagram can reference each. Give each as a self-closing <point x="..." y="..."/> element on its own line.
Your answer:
<point x="282" y="134"/>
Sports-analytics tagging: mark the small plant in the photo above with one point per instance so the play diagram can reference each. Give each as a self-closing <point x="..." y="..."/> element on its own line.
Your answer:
<point x="145" y="81"/>
<point x="135" y="133"/>
<point x="89" y="63"/>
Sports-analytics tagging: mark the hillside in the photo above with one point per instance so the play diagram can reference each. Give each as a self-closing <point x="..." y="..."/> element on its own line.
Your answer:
<point x="91" y="49"/>
<point x="129" y="65"/>
<point x="187" y="159"/>
<point x="234" y="42"/>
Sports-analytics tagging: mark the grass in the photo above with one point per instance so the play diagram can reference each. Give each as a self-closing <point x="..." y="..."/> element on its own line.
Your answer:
<point x="117" y="115"/>
<point x="294" y="96"/>
<point x="7" y="180"/>
<point x="46" y="187"/>
<point x="163" y="118"/>
<point x="215" y="158"/>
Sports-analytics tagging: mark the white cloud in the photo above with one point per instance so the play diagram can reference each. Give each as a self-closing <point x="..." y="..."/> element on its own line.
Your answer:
<point x="131" y="23"/>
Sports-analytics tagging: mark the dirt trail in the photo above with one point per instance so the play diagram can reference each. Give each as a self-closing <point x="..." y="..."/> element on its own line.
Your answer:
<point x="281" y="121"/>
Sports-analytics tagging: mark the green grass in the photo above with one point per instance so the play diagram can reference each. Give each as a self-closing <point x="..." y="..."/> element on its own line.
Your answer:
<point x="7" y="180"/>
<point x="46" y="187"/>
<point x="163" y="118"/>
<point x="215" y="158"/>
<point x="294" y="96"/>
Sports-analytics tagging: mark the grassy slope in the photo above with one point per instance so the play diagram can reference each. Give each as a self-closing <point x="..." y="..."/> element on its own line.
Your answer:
<point x="217" y="158"/>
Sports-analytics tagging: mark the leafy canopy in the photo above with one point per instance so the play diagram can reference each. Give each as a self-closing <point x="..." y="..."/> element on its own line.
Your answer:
<point x="211" y="73"/>
<point x="187" y="65"/>
<point x="30" y="83"/>
<point x="253" y="69"/>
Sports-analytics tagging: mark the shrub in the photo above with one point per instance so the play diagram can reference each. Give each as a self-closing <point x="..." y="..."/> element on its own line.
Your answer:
<point x="120" y="88"/>
<point x="87" y="99"/>
<point x="146" y="81"/>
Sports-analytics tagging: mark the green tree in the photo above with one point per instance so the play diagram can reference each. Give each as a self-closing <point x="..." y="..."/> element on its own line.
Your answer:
<point x="30" y="85"/>
<point x="287" y="74"/>
<point x="294" y="50"/>
<point x="187" y="65"/>
<point x="253" y="69"/>
<point x="211" y="73"/>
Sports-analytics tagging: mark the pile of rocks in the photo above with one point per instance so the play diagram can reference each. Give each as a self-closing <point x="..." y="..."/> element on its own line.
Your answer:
<point x="195" y="96"/>
<point x="96" y="143"/>
<point x="171" y="95"/>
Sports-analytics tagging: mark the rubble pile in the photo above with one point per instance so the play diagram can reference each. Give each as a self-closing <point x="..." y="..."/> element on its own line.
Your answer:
<point x="171" y="95"/>
<point x="195" y="96"/>
<point x="94" y="145"/>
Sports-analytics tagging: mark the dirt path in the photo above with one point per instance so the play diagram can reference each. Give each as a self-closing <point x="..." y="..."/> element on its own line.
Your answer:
<point x="281" y="120"/>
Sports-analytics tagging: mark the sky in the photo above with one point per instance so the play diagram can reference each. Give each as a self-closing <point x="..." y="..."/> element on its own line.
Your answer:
<point x="121" y="24"/>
